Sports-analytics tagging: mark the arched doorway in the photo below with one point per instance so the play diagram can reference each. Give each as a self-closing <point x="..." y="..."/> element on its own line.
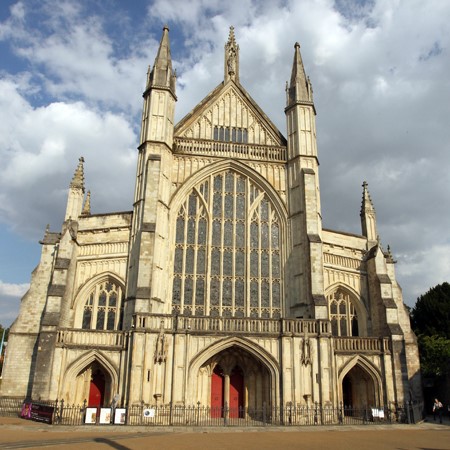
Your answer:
<point x="235" y="381"/>
<point x="92" y="384"/>
<point x="358" y="389"/>
<point x="90" y="368"/>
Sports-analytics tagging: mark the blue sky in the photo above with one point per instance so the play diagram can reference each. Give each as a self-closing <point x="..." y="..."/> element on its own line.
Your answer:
<point x="72" y="75"/>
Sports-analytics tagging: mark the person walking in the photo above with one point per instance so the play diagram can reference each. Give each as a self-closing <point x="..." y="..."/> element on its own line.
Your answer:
<point x="437" y="409"/>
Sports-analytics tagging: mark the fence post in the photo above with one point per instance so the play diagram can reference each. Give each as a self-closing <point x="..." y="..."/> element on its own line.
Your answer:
<point x="290" y="413"/>
<point x="264" y="413"/>
<point x="55" y="412"/>
<point x="198" y="413"/>
<point x="316" y="418"/>
<point x="341" y="414"/>
<point x="61" y="410"/>
<point x="83" y="412"/>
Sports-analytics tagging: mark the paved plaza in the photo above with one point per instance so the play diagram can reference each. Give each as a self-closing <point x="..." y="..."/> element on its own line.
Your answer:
<point x="17" y="433"/>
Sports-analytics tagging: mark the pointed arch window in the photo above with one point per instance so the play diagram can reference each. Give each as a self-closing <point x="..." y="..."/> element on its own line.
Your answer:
<point x="342" y="314"/>
<point x="227" y="251"/>
<point x="103" y="309"/>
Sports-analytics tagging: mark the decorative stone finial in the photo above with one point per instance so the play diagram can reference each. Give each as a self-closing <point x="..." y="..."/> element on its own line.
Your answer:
<point x="367" y="204"/>
<point x="231" y="58"/>
<point x="368" y="216"/>
<point x="78" y="177"/>
<point x="149" y="71"/>
<point x="388" y="255"/>
<point x="87" y="205"/>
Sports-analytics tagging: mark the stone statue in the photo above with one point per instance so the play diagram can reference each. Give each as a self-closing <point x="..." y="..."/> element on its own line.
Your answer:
<point x="306" y="351"/>
<point x="231" y="61"/>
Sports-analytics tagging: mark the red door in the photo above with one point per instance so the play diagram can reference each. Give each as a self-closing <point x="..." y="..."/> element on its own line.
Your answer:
<point x="97" y="389"/>
<point x="217" y="392"/>
<point x="236" y="392"/>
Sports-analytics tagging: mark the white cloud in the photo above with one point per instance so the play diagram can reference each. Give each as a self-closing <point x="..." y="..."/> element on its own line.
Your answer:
<point x="13" y="290"/>
<point x="74" y="58"/>
<point x="421" y="270"/>
<point x="381" y="88"/>
<point x="41" y="147"/>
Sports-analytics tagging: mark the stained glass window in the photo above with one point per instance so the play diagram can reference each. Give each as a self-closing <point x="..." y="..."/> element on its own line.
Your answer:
<point x="189" y="260"/>
<point x="342" y="314"/>
<point x="227" y="250"/>
<point x="103" y="307"/>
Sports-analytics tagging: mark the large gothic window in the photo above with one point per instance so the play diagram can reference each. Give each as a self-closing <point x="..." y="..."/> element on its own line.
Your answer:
<point x="342" y="314"/>
<point x="103" y="307"/>
<point x="227" y="251"/>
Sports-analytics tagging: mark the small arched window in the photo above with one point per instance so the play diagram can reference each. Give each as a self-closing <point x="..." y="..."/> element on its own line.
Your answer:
<point x="342" y="314"/>
<point x="103" y="309"/>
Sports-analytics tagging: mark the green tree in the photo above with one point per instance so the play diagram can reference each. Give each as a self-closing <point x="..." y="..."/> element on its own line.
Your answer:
<point x="430" y="320"/>
<point x="434" y="355"/>
<point x="431" y="313"/>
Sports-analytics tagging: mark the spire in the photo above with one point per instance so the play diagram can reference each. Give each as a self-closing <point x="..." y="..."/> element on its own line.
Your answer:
<point x="162" y="75"/>
<point x="78" y="177"/>
<point x="76" y="193"/>
<point x="368" y="216"/>
<point x="231" y="58"/>
<point x="300" y="88"/>
<point x="366" y="204"/>
<point x="87" y="205"/>
<point x="159" y="97"/>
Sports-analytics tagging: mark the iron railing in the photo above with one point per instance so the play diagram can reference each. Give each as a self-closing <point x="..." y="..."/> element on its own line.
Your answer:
<point x="205" y="416"/>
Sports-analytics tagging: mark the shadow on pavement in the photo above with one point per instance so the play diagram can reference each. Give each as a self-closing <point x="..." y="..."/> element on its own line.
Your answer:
<point x="111" y="443"/>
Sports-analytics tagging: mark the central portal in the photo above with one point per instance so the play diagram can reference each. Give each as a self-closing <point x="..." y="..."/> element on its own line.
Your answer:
<point x="227" y="392"/>
<point x="238" y="384"/>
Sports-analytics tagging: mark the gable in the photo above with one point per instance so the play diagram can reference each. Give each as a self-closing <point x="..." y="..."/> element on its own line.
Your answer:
<point x="229" y="113"/>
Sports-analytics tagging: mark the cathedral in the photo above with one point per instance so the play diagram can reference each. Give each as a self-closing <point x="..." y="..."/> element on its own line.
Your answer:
<point x="221" y="287"/>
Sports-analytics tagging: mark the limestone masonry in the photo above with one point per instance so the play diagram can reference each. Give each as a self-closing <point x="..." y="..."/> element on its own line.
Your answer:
<point x="220" y="287"/>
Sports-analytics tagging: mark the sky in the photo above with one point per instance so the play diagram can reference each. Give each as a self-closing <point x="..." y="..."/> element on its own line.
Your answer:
<point x="72" y="73"/>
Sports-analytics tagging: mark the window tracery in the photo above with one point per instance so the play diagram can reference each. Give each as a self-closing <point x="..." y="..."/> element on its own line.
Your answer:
<point x="342" y="314"/>
<point x="227" y="251"/>
<point x="103" y="309"/>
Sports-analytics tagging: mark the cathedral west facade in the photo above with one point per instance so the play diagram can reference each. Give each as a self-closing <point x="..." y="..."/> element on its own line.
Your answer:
<point x="220" y="287"/>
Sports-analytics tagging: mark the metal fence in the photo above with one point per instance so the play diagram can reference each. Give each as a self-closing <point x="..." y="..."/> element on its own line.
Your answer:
<point x="204" y="416"/>
<point x="10" y="406"/>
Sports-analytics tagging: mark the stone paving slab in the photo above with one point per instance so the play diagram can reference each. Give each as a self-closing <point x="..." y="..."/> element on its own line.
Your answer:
<point x="17" y="433"/>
